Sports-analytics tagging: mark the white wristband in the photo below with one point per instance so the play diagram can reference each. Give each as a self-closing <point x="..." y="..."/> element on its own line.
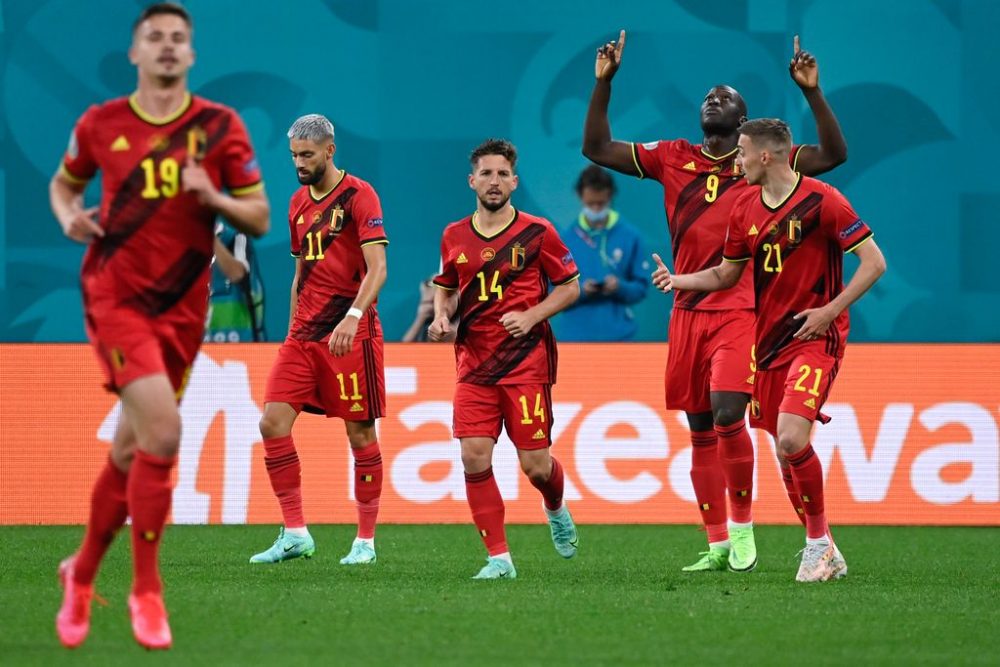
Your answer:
<point x="354" y="312"/>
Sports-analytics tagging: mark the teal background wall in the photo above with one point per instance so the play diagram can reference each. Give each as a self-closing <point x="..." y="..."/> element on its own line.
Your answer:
<point x="413" y="86"/>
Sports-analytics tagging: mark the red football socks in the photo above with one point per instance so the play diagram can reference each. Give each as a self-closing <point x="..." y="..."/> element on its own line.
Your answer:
<point x="736" y="457"/>
<point x="709" y="485"/>
<point x="552" y="488"/>
<point x="108" y="511"/>
<point x="807" y="472"/>
<point x="367" y="487"/>
<point x="793" y="494"/>
<point x="487" y="509"/>
<point x="149" y="493"/>
<point x="285" y="474"/>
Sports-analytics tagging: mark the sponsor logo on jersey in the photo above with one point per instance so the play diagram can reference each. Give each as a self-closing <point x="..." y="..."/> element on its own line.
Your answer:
<point x="301" y="220"/>
<point x="375" y="222"/>
<point x="567" y="258"/>
<point x="357" y="408"/>
<point x="159" y="142"/>
<point x="517" y="257"/>
<point x="120" y="144"/>
<point x="487" y="254"/>
<point x="539" y="435"/>
<point x="691" y="166"/>
<point x="251" y="165"/>
<point x="651" y="146"/>
<point x="73" y="148"/>
<point x="753" y="230"/>
<point x="462" y="259"/>
<point x="853" y="228"/>
<point x="811" y="403"/>
<point x="317" y="216"/>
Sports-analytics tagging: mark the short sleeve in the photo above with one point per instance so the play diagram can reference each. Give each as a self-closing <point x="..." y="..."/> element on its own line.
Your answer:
<point x="293" y="236"/>
<point x="649" y="159"/>
<point x="240" y="170"/>
<point x="447" y="277"/>
<point x="793" y="157"/>
<point x="79" y="164"/>
<point x="736" y="248"/>
<point x="840" y="222"/>
<point x="366" y="210"/>
<point x="556" y="259"/>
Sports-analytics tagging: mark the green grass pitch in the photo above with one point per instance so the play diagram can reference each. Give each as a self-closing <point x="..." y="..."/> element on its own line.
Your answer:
<point x="914" y="596"/>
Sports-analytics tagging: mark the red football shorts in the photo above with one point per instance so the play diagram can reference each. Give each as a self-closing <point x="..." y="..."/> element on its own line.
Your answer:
<point x="800" y="387"/>
<point x="524" y="409"/>
<point x="710" y="350"/>
<point x="130" y="345"/>
<point x="307" y="376"/>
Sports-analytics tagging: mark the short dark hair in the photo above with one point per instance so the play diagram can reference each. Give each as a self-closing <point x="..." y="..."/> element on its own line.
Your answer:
<point x="595" y="178"/>
<point x="772" y="130"/>
<point x="163" y="8"/>
<point x="494" y="147"/>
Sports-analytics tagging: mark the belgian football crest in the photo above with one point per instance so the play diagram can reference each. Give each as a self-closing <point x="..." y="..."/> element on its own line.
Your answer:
<point x="337" y="218"/>
<point x="794" y="230"/>
<point x="737" y="172"/>
<point x="517" y="257"/>
<point x="197" y="143"/>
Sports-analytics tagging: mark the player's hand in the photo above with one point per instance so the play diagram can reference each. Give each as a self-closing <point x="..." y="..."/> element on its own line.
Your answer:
<point x="609" y="58"/>
<point x="83" y="226"/>
<point x="195" y="179"/>
<point x="803" y="67"/>
<point x="816" y="322"/>
<point x="591" y="287"/>
<point x="662" y="279"/>
<point x="517" y="323"/>
<point x="439" y="329"/>
<point x="342" y="338"/>
<point x="610" y="284"/>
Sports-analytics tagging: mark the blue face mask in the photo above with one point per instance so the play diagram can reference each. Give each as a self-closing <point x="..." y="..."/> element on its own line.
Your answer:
<point x="594" y="214"/>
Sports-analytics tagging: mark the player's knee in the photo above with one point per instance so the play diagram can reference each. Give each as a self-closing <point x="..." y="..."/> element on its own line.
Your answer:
<point x="788" y="445"/>
<point x="122" y="455"/>
<point x="537" y="472"/>
<point x="475" y="461"/>
<point x="361" y="434"/>
<point x="163" y="438"/>
<point x="728" y="414"/>
<point x="272" y="426"/>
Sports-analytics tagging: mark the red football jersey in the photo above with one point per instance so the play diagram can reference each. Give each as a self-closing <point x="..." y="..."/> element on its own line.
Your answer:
<point x="157" y="248"/>
<point x="327" y="234"/>
<point x="698" y="195"/>
<point x="508" y="271"/>
<point x="798" y="253"/>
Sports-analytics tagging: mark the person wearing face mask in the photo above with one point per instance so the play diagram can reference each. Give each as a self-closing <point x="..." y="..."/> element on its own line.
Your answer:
<point x="614" y="273"/>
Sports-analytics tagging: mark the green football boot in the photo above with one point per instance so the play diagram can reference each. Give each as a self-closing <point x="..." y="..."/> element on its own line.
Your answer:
<point x="563" y="530"/>
<point x="286" y="547"/>
<point x="362" y="553"/>
<point x="742" y="549"/>
<point x="497" y="568"/>
<point x="713" y="560"/>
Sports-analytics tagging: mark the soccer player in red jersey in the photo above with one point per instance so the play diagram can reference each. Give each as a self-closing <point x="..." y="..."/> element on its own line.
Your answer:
<point x="496" y="268"/>
<point x="331" y="361"/>
<point x="709" y="368"/>
<point x="796" y="229"/>
<point x="164" y="156"/>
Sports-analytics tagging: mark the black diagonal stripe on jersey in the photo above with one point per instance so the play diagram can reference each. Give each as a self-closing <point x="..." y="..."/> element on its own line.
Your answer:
<point x="689" y="300"/>
<point x="807" y="211"/>
<point x="835" y="274"/>
<point x="327" y="239"/>
<point x="775" y="340"/>
<point x="322" y="323"/>
<point x="691" y="203"/>
<point x="129" y="211"/>
<point x="172" y="286"/>
<point x="552" y="354"/>
<point x="507" y="357"/>
<point x="469" y="305"/>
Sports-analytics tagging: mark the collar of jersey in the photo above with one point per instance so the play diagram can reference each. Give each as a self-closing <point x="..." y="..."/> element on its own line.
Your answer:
<point x="133" y="103"/>
<point x="798" y="182"/>
<point x="485" y="237"/>
<point x="721" y="157"/>
<point x="343" y="175"/>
